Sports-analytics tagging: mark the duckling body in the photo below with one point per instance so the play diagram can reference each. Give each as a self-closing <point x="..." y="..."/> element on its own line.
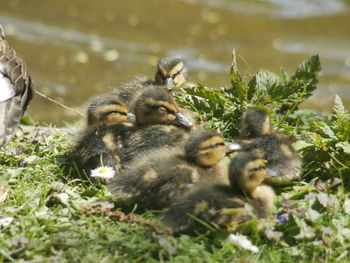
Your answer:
<point x="170" y="72"/>
<point x="107" y="125"/>
<point x="222" y="205"/>
<point x="164" y="175"/>
<point x="111" y="139"/>
<point x="15" y="89"/>
<point x="283" y="161"/>
<point x="158" y="124"/>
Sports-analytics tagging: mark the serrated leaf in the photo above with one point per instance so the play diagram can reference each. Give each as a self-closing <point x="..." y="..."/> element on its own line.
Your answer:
<point x="313" y="215"/>
<point x="308" y="71"/>
<point x="299" y="145"/>
<point x="339" y="109"/>
<point x="327" y="131"/>
<point x="238" y="88"/>
<point x="265" y="84"/>
<point x="345" y="146"/>
<point x="345" y="232"/>
<point x="305" y="231"/>
<point x="323" y="199"/>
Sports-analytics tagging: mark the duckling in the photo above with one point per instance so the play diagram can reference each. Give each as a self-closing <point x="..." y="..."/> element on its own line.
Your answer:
<point x="170" y="72"/>
<point x="283" y="161"/>
<point x="16" y="89"/>
<point x="158" y="124"/>
<point x="164" y="175"/>
<point x="224" y="206"/>
<point x="108" y="121"/>
<point x="111" y="139"/>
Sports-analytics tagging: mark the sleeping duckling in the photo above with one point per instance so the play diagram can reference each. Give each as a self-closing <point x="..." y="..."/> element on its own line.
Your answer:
<point x="161" y="176"/>
<point x="108" y="121"/>
<point x="283" y="161"/>
<point x="15" y="89"/>
<point x="158" y="124"/>
<point x="222" y="205"/>
<point x="107" y="110"/>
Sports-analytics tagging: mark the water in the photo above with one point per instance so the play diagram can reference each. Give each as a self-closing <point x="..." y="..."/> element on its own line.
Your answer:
<point x="78" y="49"/>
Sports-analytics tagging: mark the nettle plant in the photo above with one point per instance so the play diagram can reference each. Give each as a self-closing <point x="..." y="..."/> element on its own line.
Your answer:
<point x="323" y="140"/>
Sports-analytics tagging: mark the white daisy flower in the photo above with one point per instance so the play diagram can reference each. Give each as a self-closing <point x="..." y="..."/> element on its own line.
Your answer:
<point x="103" y="172"/>
<point x="243" y="242"/>
<point x="6" y="221"/>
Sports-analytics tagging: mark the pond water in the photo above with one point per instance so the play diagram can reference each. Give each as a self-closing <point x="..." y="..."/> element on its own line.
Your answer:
<point x="81" y="48"/>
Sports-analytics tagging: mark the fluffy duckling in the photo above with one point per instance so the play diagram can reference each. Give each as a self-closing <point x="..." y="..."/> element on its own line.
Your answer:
<point x="170" y="72"/>
<point x="283" y="161"/>
<point x="111" y="138"/>
<point x="108" y="122"/>
<point x="15" y="89"/>
<point x="158" y="124"/>
<point x="164" y="175"/>
<point x="222" y="205"/>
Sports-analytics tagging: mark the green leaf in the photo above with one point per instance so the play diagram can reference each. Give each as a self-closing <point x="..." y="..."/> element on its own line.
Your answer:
<point x="307" y="73"/>
<point x="238" y="88"/>
<point x="345" y="146"/>
<point x="306" y="232"/>
<point x="341" y="119"/>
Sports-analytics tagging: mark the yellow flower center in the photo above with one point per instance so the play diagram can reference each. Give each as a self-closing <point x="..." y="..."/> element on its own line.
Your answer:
<point x="103" y="170"/>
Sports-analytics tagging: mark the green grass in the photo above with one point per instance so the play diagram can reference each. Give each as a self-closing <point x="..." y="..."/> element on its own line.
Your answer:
<point x="34" y="168"/>
<point x="45" y="231"/>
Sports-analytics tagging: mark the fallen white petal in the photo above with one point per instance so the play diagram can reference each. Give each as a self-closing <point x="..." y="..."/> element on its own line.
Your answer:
<point x="6" y="221"/>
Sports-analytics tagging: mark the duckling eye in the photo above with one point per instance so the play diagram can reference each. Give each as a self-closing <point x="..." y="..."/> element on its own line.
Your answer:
<point x="258" y="168"/>
<point x="176" y="74"/>
<point x="162" y="109"/>
<point x="111" y="112"/>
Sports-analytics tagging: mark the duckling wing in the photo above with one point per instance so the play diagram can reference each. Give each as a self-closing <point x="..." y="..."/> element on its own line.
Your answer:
<point x="96" y="147"/>
<point x="15" y="89"/>
<point x="203" y="207"/>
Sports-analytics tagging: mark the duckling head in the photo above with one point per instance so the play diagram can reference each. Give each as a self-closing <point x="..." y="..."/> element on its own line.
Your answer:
<point x="206" y="148"/>
<point x="108" y="111"/>
<point x="156" y="106"/>
<point x="170" y="72"/>
<point x="254" y="123"/>
<point x="246" y="172"/>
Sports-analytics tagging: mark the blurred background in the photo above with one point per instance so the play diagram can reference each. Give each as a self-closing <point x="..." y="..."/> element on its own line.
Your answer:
<point x="76" y="49"/>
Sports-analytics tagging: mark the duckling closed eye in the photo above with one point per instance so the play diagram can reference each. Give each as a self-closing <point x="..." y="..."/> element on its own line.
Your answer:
<point x="156" y="106"/>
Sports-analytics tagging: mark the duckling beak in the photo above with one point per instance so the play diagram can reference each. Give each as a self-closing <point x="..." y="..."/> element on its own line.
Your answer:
<point x="232" y="147"/>
<point x="131" y="117"/>
<point x="169" y="82"/>
<point x="183" y="121"/>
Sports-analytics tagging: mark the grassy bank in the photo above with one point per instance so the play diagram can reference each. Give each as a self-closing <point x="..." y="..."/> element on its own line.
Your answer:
<point x="47" y="215"/>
